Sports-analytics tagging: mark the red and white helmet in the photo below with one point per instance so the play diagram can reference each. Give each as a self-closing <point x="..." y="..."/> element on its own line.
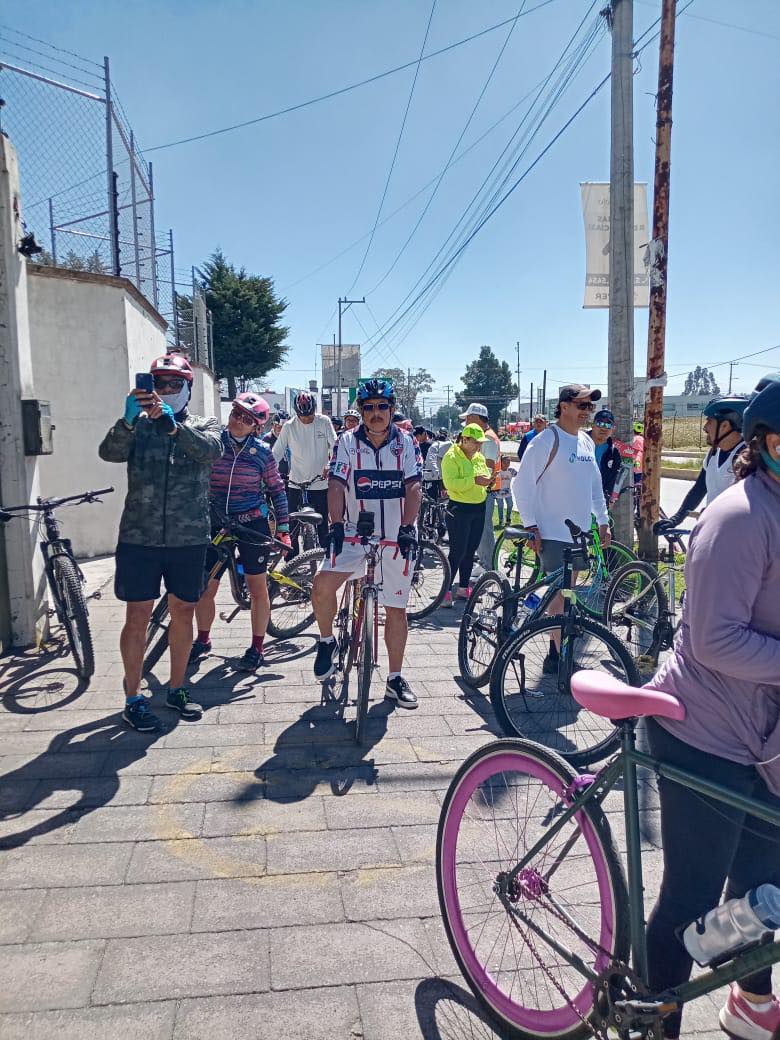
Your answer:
<point x="255" y="405"/>
<point x="172" y="364"/>
<point x="305" y="403"/>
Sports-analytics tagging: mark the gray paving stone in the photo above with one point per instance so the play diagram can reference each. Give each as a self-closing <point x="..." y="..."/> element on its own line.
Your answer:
<point x="265" y="757"/>
<point x="37" y="827"/>
<point x="448" y="749"/>
<point x="18" y="911"/>
<point x="150" y="1021"/>
<point x="42" y="767"/>
<point x="38" y="866"/>
<point x="312" y="1014"/>
<point x="48" y="975"/>
<point x="382" y="810"/>
<point x="203" y="735"/>
<point x="16" y="795"/>
<point x="263" y="816"/>
<point x="168" y="967"/>
<point x="94" y="791"/>
<point x="416" y="776"/>
<point x="390" y="893"/>
<point x="426" y="1008"/>
<point x="330" y="850"/>
<point x="338" y="954"/>
<point x="390" y="749"/>
<point x="207" y="787"/>
<point x="50" y="720"/>
<point x="139" y="823"/>
<point x="195" y="858"/>
<point x="416" y="844"/>
<point x="267" y="902"/>
<point x="105" y="911"/>
<point x="157" y="761"/>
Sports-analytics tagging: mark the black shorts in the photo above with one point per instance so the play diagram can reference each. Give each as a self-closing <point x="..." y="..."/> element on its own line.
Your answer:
<point x="139" y="569"/>
<point x="254" y="558"/>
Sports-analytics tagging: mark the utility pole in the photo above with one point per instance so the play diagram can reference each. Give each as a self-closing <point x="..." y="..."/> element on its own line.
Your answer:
<point x="531" y="403"/>
<point x="344" y="306"/>
<point x="649" y="510"/>
<point x="731" y="372"/>
<point x="544" y="392"/>
<point x="620" y="378"/>
<point x="518" y="380"/>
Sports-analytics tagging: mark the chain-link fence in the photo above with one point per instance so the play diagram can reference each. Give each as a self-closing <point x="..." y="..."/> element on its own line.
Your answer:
<point x="88" y="191"/>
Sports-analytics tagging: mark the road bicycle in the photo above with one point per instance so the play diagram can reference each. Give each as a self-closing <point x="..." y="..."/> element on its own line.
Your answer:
<point x="356" y="623"/>
<point x="63" y="574"/>
<point x="515" y="559"/>
<point x="639" y="609"/>
<point x="530" y="679"/>
<point x="289" y="584"/>
<point x="546" y="926"/>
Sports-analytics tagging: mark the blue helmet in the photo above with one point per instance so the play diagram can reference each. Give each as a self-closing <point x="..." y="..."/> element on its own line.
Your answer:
<point x="763" y="408"/>
<point x="372" y="388"/>
<point x="727" y="409"/>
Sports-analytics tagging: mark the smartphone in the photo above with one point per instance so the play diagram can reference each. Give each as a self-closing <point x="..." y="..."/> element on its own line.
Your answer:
<point x="144" y="381"/>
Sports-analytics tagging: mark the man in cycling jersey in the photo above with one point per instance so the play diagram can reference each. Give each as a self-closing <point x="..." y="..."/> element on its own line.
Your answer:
<point x="242" y="481"/>
<point x="164" y="528"/>
<point x="376" y="468"/>
<point x="307" y="440"/>
<point x="723" y="430"/>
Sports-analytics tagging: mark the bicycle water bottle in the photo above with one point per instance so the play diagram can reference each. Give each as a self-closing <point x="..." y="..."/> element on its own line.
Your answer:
<point x="733" y="924"/>
<point x="531" y="601"/>
<point x="240" y="569"/>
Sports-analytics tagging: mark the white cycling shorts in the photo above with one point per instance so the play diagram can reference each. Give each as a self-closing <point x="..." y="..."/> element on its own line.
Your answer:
<point x="394" y="584"/>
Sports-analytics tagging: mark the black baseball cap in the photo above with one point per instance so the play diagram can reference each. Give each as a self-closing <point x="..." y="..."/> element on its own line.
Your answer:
<point x="578" y="392"/>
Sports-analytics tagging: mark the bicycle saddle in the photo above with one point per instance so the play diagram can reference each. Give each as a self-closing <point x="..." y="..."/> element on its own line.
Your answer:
<point x="306" y="516"/>
<point x="605" y="695"/>
<point x="518" y="532"/>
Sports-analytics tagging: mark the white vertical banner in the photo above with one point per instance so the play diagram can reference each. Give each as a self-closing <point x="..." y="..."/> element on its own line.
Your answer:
<point x="595" y="212"/>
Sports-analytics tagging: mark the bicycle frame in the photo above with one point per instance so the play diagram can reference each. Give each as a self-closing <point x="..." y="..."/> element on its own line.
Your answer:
<point x="624" y="765"/>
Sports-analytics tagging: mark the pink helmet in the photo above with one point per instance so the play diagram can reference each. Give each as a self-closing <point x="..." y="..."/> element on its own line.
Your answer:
<point x="173" y="364"/>
<point x="257" y="407"/>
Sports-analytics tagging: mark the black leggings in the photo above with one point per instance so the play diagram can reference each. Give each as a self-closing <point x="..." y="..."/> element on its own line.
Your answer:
<point x="705" y="844"/>
<point x="465" y="521"/>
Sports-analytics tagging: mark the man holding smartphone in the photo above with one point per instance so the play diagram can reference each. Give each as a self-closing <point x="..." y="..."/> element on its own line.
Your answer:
<point x="164" y="530"/>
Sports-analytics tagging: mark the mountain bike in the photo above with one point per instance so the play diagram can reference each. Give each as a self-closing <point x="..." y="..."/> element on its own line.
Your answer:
<point x="432" y="523"/>
<point x="430" y="580"/>
<point x="63" y="574"/>
<point x="515" y="559"/>
<point x="547" y="931"/>
<point x="530" y="680"/>
<point x="356" y="624"/>
<point x="304" y="527"/>
<point x="639" y="609"/>
<point x="289" y="585"/>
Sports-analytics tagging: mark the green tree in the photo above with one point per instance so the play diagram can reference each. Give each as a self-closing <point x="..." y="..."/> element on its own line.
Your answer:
<point x="447" y="416"/>
<point x="700" y="381"/>
<point x="93" y="263"/>
<point x="408" y="387"/>
<point x="487" y="381"/>
<point x="249" y="339"/>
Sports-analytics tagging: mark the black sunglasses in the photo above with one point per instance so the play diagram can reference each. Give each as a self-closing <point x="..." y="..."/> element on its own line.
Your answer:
<point x="584" y="406"/>
<point x="380" y="406"/>
<point x="165" y="383"/>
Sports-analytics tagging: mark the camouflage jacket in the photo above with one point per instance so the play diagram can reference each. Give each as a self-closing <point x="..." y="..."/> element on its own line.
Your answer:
<point x="167" y="499"/>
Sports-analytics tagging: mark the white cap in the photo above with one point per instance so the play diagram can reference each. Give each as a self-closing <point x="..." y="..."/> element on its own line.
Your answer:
<point x="475" y="409"/>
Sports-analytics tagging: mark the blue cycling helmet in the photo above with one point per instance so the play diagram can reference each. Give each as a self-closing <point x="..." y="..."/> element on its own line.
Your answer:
<point x="763" y="409"/>
<point x="727" y="409"/>
<point x="376" y="388"/>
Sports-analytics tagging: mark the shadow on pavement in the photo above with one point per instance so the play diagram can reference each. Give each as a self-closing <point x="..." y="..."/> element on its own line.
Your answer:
<point x="38" y="682"/>
<point x="446" y="1011"/>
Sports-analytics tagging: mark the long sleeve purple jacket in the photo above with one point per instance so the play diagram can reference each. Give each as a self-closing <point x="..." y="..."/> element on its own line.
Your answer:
<point x="725" y="666"/>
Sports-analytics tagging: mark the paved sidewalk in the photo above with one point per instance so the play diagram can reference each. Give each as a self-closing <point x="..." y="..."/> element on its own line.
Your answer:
<point x="252" y="875"/>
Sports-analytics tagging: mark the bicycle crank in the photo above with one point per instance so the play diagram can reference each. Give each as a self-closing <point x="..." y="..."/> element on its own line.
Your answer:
<point x="620" y="1004"/>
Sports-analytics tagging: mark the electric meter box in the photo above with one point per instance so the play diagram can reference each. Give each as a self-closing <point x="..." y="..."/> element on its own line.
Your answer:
<point x="37" y="428"/>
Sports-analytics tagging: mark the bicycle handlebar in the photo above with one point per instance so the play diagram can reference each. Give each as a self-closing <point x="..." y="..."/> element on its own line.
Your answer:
<point x="234" y="527"/>
<point x="45" y="504"/>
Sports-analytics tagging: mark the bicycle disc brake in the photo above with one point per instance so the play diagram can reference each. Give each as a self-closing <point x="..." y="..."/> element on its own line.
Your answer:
<point x="621" y="1004"/>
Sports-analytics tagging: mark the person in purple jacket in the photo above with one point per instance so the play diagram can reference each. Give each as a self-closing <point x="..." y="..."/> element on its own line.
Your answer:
<point x="725" y="668"/>
<point x="242" y="481"/>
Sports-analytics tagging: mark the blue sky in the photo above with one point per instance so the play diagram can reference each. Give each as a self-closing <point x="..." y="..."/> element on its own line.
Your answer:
<point x="287" y="195"/>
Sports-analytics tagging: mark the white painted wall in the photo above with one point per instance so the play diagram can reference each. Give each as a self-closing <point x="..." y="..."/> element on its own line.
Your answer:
<point x="89" y="337"/>
<point x="205" y="392"/>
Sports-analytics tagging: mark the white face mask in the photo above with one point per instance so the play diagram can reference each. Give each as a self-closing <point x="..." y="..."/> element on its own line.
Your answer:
<point x="177" y="401"/>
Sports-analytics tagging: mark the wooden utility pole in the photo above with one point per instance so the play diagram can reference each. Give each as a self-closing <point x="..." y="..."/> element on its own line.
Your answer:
<point x="659" y="251"/>
<point x="621" y="240"/>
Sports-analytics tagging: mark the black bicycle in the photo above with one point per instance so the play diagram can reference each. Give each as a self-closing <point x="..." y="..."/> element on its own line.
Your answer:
<point x="63" y="574"/>
<point x="289" y="584"/>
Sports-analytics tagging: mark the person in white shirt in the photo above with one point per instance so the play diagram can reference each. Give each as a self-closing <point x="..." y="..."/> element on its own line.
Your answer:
<point x="307" y="440"/>
<point x="559" y="480"/>
<point x="506" y="475"/>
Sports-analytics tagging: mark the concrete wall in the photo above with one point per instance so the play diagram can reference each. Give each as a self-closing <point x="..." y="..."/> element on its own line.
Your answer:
<point x="205" y="392"/>
<point x="90" y="334"/>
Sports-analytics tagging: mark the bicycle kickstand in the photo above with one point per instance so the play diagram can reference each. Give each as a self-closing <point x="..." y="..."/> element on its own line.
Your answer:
<point x="224" y="616"/>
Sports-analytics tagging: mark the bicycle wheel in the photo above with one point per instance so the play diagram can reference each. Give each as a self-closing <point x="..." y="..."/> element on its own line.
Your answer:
<point x="508" y="552"/>
<point x="503" y="800"/>
<point x="73" y="614"/>
<point x="482" y="628"/>
<point x="531" y="694"/>
<point x="591" y="586"/>
<point x="634" y="605"/>
<point x="157" y="634"/>
<point x="308" y="537"/>
<point x="430" y="580"/>
<point x="290" y="594"/>
<point x="365" y="663"/>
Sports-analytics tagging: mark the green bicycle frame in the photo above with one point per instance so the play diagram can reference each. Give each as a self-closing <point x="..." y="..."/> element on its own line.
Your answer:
<point x="625" y="765"/>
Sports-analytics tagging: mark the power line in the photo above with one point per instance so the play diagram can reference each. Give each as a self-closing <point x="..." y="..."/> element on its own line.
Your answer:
<point x="397" y="146"/>
<point x="725" y="25"/>
<point x="343" y="90"/>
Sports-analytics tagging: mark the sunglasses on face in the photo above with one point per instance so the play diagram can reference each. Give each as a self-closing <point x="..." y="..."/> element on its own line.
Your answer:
<point x="583" y="406"/>
<point x="380" y="406"/>
<point x="163" y="383"/>
<point x="605" y="425"/>
<point x="243" y="417"/>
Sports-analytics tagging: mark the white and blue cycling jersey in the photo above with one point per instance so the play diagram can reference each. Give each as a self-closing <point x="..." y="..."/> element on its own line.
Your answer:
<point x="375" y="479"/>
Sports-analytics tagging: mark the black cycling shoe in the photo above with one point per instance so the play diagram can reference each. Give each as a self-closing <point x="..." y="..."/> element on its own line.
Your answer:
<point x="138" y="715"/>
<point x="251" y="660"/>
<point x="179" y="700"/>
<point x="399" y="690"/>
<point x="325" y="661"/>
<point x="199" y="650"/>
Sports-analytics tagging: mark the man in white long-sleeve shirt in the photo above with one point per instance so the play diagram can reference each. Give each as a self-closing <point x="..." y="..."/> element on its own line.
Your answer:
<point x="559" y="480"/>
